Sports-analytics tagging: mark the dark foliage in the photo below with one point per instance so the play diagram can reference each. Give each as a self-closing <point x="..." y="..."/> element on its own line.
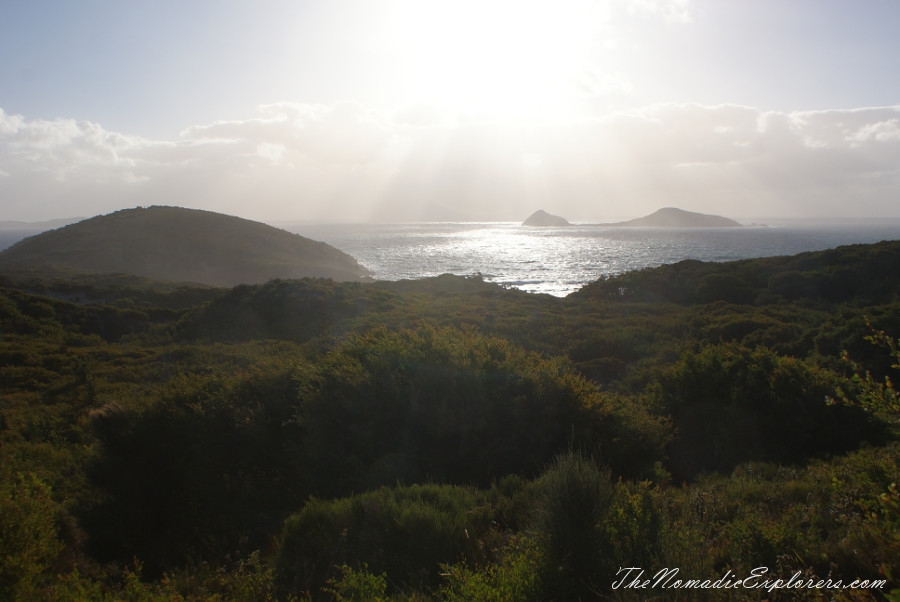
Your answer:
<point x="863" y="273"/>
<point x="448" y="438"/>
<point x="405" y="532"/>
<point x="202" y="473"/>
<point x="731" y="404"/>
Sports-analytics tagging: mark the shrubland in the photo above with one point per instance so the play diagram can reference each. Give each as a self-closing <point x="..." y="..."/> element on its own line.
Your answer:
<point x="448" y="439"/>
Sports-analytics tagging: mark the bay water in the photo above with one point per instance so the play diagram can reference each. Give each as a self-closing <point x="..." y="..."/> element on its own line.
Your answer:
<point x="558" y="261"/>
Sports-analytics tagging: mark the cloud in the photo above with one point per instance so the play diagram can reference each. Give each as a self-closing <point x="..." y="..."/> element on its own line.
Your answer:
<point x="347" y="162"/>
<point x="882" y="131"/>
<point x="343" y="133"/>
<point x="64" y="147"/>
<point x="673" y="10"/>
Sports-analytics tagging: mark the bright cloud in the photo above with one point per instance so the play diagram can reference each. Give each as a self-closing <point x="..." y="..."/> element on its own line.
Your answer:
<point x="62" y="148"/>
<point x="882" y="131"/>
<point x="675" y="10"/>
<point x="345" y="162"/>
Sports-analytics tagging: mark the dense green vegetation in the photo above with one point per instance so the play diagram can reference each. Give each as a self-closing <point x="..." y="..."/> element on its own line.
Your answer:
<point x="448" y="439"/>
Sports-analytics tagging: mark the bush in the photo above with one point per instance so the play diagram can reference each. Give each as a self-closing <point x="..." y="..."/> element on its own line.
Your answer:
<point x="201" y="473"/>
<point x="732" y="404"/>
<point x="28" y="537"/>
<point x="573" y="499"/>
<point x="406" y="533"/>
<point x="446" y="405"/>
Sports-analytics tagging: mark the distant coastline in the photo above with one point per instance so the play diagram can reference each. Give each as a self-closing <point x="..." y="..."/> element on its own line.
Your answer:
<point x="38" y="226"/>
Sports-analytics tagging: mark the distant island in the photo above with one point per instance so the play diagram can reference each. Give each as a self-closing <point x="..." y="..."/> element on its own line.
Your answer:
<point x="542" y="219"/>
<point x="46" y="225"/>
<point x="672" y="217"/>
<point x="181" y="245"/>
<point x="667" y="217"/>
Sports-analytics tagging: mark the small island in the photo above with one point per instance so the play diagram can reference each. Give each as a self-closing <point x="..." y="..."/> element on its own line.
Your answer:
<point x="542" y="219"/>
<point x="667" y="217"/>
<point x="672" y="217"/>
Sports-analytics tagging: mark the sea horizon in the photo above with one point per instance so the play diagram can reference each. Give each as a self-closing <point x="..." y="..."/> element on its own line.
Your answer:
<point x="561" y="260"/>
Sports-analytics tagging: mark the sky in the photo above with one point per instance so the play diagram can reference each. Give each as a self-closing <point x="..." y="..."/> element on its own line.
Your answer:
<point x="463" y="110"/>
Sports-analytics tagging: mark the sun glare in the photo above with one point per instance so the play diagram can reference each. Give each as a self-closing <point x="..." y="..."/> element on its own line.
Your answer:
<point x="517" y="58"/>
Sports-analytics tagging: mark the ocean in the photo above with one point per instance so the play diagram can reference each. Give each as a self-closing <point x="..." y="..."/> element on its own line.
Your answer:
<point x="559" y="261"/>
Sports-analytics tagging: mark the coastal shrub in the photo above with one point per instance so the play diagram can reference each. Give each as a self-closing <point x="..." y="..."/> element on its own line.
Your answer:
<point x="572" y="502"/>
<point x="879" y="396"/>
<point x="407" y="533"/>
<point x="357" y="585"/>
<point x="514" y="577"/>
<point x="447" y="405"/>
<point x="215" y="462"/>
<point x="582" y="528"/>
<point x="28" y="535"/>
<point x="188" y="456"/>
<point x="731" y="404"/>
<point x="724" y="287"/>
<point x="207" y="470"/>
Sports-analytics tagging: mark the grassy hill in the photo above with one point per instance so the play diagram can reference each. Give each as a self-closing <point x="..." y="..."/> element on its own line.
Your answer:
<point x="181" y="245"/>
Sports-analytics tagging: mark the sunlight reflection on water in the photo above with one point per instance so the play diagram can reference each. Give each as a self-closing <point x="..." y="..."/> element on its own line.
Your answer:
<point x="559" y="261"/>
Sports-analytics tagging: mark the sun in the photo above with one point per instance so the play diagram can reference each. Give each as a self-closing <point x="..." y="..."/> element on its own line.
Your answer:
<point x="521" y="58"/>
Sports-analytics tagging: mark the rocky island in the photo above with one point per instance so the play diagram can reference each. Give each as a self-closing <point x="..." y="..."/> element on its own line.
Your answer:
<point x="667" y="217"/>
<point x="542" y="219"/>
<point x="672" y="217"/>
